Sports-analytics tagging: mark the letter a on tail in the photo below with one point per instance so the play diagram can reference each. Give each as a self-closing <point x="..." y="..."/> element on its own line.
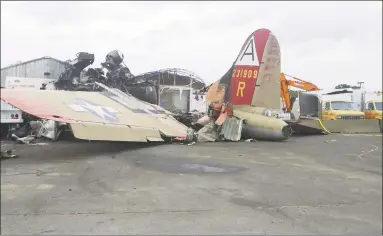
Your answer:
<point x="253" y="78"/>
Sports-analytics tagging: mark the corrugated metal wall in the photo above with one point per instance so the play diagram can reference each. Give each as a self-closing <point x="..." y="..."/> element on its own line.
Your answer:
<point x="34" y="69"/>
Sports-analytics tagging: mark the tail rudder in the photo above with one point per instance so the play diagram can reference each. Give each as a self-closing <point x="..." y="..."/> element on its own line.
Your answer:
<point x="253" y="78"/>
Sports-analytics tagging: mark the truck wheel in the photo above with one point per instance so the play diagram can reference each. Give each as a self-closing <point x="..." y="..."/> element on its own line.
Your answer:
<point x="4" y="131"/>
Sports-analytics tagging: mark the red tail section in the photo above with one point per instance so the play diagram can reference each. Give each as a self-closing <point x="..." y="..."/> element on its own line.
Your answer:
<point x="246" y="68"/>
<point x="257" y="65"/>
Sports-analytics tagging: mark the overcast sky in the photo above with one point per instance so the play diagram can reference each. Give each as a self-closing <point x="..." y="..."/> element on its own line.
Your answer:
<point x="323" y="42"/>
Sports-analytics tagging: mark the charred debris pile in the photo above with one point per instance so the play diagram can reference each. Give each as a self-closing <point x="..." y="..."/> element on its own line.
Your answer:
<point x="114" y="74"/>
<point x="145" y="87"/>
<point x="115" y="77"/>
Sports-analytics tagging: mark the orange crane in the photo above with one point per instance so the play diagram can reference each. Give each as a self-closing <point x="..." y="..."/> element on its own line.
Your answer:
<point x="297" y="83"/>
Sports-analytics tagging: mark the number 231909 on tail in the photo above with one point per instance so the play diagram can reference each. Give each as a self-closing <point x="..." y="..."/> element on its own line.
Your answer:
<point x="245" y="73"/>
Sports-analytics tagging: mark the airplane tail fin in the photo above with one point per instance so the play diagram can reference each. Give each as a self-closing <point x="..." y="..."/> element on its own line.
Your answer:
<point x="254" y="78"/>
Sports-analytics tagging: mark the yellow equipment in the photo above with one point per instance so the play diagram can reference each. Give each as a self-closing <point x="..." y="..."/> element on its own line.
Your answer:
<point x="297" y="83"/>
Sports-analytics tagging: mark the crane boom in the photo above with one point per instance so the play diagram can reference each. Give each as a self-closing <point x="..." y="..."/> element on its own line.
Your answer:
<point x="297" y="83"/>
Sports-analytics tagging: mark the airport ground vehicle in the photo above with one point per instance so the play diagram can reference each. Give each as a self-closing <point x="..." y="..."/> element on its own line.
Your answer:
<point x="10" y="117"/>
<point x="340" y="109"/>
<point x="373" y="109"/>
<point x="287" y="96"/>
<point x="338" y="105"/>
<point x="372" y="105"/>
<point x="334" y="106"/>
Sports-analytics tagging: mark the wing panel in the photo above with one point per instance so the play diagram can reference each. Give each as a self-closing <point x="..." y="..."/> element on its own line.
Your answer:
<point x="98" y="109"/>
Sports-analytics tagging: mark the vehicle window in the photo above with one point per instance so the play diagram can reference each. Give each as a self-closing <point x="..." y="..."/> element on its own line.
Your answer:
<point x="378" y="106"/>
<point x="327" y="106"/>
<point x="341" y="105"/>
<point x="370" y="106"/>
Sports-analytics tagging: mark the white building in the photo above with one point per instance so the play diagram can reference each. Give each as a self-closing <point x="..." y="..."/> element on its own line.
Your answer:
<point x="43" y="67"/>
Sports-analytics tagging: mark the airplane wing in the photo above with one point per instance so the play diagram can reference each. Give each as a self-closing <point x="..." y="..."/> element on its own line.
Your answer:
<point x="109" y="115"/>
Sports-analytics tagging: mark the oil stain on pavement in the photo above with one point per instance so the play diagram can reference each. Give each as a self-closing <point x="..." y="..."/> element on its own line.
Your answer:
<point x="185" y="166"/>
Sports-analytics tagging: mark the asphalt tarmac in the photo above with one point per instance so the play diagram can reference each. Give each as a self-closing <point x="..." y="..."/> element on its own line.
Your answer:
<point x="307" y="185"/>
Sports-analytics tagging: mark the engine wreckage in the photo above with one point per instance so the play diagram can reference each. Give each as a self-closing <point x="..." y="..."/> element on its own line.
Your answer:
<point x="117" y="76"/>
<point x="118" y="106"/>
<point x="145" y="87"/>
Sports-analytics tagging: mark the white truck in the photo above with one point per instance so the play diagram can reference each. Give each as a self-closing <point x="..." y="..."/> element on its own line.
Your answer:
<point x="10" y="115"/>
<point x="28" y="83"/>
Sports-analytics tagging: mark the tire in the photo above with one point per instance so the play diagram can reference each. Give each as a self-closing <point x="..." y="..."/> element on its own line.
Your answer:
<point x="4" y="131"/>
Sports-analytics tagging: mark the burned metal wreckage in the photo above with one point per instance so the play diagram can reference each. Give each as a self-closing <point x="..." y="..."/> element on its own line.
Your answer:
<point x="242" y="104"/>
<point x="147" y="87"/>
<point x="245" y="102"/>
<point x="118" y="78"/>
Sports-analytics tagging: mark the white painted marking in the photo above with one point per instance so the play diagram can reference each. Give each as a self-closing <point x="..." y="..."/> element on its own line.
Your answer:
<point x="77" y="108"/>
<point x="370" y="151"/>
<point x="45" y="186"/>
<point x="58" y="174"/>
<point x="13" y="187"/>
<point x="85" y="106"/>
<point x="355" y="135"/>
<point x="110" y="109"/>
<point x="248" y="55"/>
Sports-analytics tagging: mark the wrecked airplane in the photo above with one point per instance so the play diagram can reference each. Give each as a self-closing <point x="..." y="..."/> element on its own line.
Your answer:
<point x="110" y="115"/>
<point x="245" y="102"/>
<point x="118" y="106"/>
<point x="136" y="90"/>
<point x="117" y="75"/>
<point x="148" y="87"/>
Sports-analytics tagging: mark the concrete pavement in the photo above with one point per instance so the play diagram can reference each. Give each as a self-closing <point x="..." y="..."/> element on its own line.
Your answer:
<point x="307" y="185"/>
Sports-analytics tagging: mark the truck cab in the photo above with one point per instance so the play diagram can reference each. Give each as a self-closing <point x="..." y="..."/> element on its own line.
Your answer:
<point x="340" y="110"/>
<point x="373" y="110"/>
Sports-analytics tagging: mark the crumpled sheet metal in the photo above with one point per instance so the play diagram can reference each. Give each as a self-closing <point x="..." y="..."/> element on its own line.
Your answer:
<point x="232" y="129"/>
<point x="203" y="120"/>
<point x="207" y="133"/>
<point x="216" y="93"/>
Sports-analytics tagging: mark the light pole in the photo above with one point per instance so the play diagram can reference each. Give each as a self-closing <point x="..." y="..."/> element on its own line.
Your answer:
<point x="363" y="95"/>
<point x="360" y="83"/>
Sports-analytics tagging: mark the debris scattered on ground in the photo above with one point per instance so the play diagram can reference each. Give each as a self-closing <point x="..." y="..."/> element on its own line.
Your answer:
<point x="7" y="153"/>
<point x="190" y="137"/>
<point x="50" y="129"/>
<point x="29" y="140"/>
<point x="219" y="124"/>
<point x="203" y="120"/>
<point x="250" y="140"/>
<point x="39" y="144"/>
<point x="330" y="141"/>
<point x="25" y="140"/>
<point x="190" y="119"/>
<point x="231" y="129"/>
<point x="207" y="133"/>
